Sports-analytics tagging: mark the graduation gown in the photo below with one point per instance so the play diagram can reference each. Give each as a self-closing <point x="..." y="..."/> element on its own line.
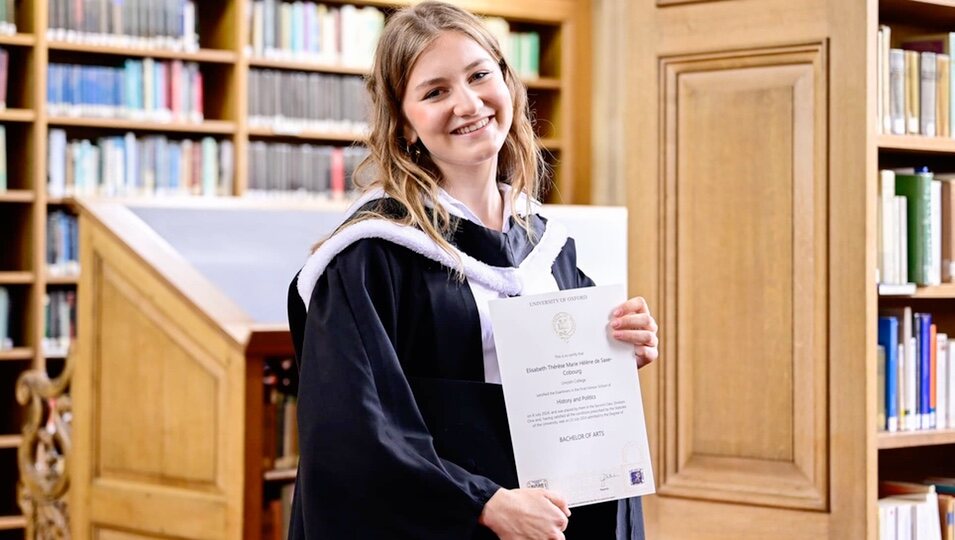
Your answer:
<point x="400" y="436"/>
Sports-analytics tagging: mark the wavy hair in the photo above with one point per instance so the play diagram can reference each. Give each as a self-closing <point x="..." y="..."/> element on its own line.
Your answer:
<point x="405" y="172"/>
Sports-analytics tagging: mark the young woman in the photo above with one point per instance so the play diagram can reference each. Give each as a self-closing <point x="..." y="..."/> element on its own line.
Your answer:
<point x="403" y="430"/>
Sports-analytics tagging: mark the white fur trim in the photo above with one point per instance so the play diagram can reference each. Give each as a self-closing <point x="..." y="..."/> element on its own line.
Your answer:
<point x="507" y="280"/>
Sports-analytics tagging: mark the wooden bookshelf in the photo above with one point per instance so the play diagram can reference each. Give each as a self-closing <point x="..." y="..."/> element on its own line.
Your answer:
<point x="299" y="65"/>
<point x="206" y="127"/>
<point x="917" y="144"/>
<point x="543" y="83"/>
<point x="17" y="115"/>
<point x="16" y="353"/>
<point x="18" y="40"/>
<point x="291" y="130"/>
<point x="932" y="13"/>
<point x="62" y="280"/>
<point x="212" y="56"/>
<point x="12" y="522"/>
<point x="10" y="441"/>
<point x="17" y="196"/>
<point x="909" y="439"/>
<point x="280" y="475"/>
<point x="16" y="278"/>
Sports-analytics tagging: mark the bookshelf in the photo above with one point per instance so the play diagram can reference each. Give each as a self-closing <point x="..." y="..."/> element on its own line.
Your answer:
<point x="560" y="97"/>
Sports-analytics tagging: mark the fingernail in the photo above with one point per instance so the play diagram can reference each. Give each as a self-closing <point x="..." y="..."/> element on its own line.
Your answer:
<point x="616" y="323"/>
<point x="617" y="312"/>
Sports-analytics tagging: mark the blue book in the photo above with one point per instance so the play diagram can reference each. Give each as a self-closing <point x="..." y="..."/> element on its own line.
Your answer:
<point x="889" y="339"/>
<point x="924" y="324"/>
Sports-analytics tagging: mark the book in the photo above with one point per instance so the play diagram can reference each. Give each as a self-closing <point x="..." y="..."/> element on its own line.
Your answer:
<point x="6" y="342"/>
<point x="912" y="93"/>
<point x="889" y="341"/>
<point x="917" y="188"/>
<point x="943" y="103"/>
<point x="941" y="382"/>
<point x="897" y="91"/>
<point x="927" y="86"/>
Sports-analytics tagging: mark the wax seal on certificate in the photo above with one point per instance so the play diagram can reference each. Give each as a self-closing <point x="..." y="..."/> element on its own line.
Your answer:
<point x="564" y="325"/>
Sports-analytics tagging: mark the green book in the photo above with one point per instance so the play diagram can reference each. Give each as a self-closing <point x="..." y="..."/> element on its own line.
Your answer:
<point x="533" y="52"/>
<point x="917" y="189"/>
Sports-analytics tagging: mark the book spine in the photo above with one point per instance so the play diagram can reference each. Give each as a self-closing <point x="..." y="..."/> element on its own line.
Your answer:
<point x="927" y="74"/>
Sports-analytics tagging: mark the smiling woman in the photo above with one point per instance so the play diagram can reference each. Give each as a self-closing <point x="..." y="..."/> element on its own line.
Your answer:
<point x="402" y="422"/>
<point x="462" y="116"/>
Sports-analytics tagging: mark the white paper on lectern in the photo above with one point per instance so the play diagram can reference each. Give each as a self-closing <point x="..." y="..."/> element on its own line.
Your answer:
<point x="572" y="394"/>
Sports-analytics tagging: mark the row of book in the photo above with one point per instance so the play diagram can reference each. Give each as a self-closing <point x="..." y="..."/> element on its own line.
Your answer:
<point x="521" y="49"/>
<point x="62" y="245"/>
<point x="914" y="90"/>
<point x="132" y="166"/>
<point x="327" y="34"/>
<point x="916" y="227"/>
<point x="347" y="35"/>
<point x="287" y="101"/>
<point x="916" y="373"/>
<point x="6" y="341"/>
<point x="144" y="89"/>
<point x="59" y="312"/>
<point x="145" y="24"/>
<point x="280" y="168"/>
<point x="922" y="510"/>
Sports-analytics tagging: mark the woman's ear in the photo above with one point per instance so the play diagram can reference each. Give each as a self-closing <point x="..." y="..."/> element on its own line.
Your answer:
<point x="409" y="134"/>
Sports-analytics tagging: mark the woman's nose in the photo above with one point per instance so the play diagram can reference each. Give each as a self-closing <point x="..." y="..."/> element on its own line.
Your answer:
<point x="468" y="103"/>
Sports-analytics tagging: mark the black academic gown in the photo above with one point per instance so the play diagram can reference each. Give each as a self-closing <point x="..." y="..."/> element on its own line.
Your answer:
<point x="400" y="436"/>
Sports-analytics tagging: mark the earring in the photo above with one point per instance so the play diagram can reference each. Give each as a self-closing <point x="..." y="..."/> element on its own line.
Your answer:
<point x="413" y="150"/>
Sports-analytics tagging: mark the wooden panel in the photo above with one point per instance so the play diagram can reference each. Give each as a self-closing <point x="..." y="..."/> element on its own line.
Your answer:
<point x="159" y="393"/>
<point x="104" y="533"/>
<point x="736" y="522"/>
<point x="170" y="411"/>
<point x="748" y="238"/>
<point x="160" y="511"/>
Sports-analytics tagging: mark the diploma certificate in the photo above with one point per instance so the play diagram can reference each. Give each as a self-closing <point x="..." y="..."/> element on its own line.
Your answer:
<point x="572" y="395"/>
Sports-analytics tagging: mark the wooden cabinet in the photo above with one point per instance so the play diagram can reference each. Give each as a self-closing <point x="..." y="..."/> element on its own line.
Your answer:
<point x="751" y="183"/>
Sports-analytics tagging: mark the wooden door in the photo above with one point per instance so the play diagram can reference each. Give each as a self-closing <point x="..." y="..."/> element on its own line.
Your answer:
<point x="748" y="144"/>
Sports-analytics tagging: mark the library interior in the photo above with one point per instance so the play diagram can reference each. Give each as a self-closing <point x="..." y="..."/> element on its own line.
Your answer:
<point x="168" y="166"/>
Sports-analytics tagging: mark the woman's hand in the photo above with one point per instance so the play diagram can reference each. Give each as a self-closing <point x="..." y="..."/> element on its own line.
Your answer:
<point x="633" y="324"/>
<point x="536" y="514"/>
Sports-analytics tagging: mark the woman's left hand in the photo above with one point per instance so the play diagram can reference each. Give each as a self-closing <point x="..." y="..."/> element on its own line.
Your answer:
<point x="633" y="324"/>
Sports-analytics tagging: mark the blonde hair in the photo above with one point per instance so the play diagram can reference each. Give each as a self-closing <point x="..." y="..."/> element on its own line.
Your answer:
<point x="406" y="172"/>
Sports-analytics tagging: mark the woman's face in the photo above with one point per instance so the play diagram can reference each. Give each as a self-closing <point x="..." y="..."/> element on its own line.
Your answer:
<point x="457" y="103"/>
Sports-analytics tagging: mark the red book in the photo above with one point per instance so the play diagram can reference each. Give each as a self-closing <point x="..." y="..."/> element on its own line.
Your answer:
<point x="338" y="172"/>
<point x="175" y="90"/>
<point x="4" y="67"/>
<point x="198" y="93"/>
<point x="933" y="362"/>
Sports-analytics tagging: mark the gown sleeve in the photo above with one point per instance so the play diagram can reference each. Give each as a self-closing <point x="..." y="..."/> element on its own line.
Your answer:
<point x="368" y="467"/>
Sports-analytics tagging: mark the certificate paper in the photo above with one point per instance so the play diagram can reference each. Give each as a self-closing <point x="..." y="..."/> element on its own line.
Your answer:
<point x="572" y="395"/>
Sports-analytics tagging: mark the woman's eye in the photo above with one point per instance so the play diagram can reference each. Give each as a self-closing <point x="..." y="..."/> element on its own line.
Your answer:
<point x="480" y="75"/>
<point x="431" y="94"/>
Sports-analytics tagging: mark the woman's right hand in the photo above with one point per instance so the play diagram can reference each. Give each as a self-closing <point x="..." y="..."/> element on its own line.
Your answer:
<point x="536" y="514"/>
